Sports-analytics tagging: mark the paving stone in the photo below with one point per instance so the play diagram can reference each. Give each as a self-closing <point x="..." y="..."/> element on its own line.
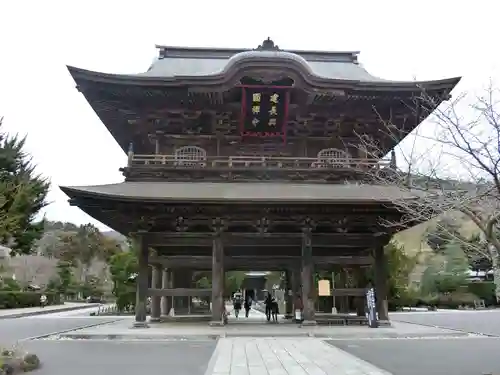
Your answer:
<point x="286" y="356"/>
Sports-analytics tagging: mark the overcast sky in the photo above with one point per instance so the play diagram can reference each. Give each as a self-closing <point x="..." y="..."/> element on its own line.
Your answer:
<point x="398" y="40"/>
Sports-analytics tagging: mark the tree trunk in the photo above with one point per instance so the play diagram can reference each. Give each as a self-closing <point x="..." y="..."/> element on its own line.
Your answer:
<point x="495" y="265"/>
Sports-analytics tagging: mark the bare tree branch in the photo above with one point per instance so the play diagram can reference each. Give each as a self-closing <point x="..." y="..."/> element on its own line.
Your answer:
<point x="451" y="162"/>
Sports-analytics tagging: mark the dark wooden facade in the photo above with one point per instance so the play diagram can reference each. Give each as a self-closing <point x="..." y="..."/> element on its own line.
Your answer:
<point x="204" y="196"/>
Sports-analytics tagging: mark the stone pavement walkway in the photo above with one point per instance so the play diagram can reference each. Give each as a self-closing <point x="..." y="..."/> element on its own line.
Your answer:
<point x="298" y="356"/>
<point x="254" y="316"/>
<point x="30" y="311"/>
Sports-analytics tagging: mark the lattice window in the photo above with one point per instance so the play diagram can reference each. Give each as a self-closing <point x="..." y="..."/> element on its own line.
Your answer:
<point x="187" y="154"/>
<point x="333" y="157"/>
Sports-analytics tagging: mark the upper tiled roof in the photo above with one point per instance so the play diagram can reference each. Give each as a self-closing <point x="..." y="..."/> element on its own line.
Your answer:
<point x="212" y="66"/>
<point x="175" y="61"/>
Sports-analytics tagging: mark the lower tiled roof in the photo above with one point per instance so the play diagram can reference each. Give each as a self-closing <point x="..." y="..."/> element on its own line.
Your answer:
<point x="237" y="192"/>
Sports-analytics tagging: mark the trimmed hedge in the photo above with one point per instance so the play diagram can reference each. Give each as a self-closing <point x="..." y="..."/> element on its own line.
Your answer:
<point x="484" y="290"/>
<point x="16" y="299"/>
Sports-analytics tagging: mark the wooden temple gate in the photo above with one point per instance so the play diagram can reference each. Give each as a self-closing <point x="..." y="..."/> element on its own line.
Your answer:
<point x="297" y="254"/>
<point x="250" y="159"/>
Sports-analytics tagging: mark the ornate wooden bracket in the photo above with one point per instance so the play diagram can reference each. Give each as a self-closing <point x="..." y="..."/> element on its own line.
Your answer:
<point x="263" y="225"/>
<point x="308" y="225"/>
<point x="181" y="224"/>
<point x="219" y="225"/>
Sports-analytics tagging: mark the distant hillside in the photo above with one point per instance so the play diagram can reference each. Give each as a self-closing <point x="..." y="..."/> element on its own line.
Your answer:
<point x="414" y="241"/>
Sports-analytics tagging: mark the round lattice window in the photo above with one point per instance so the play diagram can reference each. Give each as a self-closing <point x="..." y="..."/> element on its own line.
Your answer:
<point x="190" y="153"/>
<point x="332" y="154"/>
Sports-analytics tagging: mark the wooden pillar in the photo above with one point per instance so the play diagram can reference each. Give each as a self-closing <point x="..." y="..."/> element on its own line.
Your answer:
<point x="343" y="300"/>
<point x="296" y="283"/>
<point x="289" y="295"/>
<point x="223" y="299"/>
<point x="157" y="145"/>
<point x="381" y="284"/>
<point x="142" y="283"/>
<point x="130" y="154"/>
<point x="217" y="281"/>
<point x="307" y="279"/>
<point x="166" y="302"/>
<point x="296" y="287"/>
<point x="156" y="282"/>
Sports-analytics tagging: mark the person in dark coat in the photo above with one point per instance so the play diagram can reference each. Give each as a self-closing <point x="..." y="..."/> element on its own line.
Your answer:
<point x="268" y="302"/>
<point x="274" y="309"/>
<point x="247" y="305"/>
<point x="236" y="304"/>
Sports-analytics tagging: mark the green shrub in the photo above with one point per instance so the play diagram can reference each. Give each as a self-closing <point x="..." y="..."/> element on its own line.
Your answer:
<point x="484" y="290"/>
<point x="30" y="362"/>
<point x="404" y="298"/>
<point x="15" y="299"/>
<point x="8" y="283"/>
<point x="456" y="299"/>
<point x="430" y="300"/>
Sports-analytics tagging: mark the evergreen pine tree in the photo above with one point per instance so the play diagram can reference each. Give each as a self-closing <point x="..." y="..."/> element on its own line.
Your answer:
<point x="447" y="272"/>
<point x="22" y="195"/>
<point x="445" y="232"/>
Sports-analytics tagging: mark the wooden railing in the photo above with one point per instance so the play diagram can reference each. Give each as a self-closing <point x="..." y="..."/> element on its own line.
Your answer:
<point x="254" y="162"/>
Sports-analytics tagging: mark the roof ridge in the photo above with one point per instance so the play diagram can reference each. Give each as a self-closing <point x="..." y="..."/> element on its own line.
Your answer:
<point x="226" y="53"/>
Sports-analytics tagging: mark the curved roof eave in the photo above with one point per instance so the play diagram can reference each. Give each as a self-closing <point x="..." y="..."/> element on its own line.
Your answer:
<point x="257" y="192"/>
<point x="80" y="75"/>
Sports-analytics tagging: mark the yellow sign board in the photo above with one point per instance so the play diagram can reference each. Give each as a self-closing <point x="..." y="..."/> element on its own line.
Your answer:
<point x="324" y="288"/>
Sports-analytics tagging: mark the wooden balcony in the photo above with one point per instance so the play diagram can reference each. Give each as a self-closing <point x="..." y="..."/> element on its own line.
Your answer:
<point x="236" y="162"/>
<point x="248" y="168"/>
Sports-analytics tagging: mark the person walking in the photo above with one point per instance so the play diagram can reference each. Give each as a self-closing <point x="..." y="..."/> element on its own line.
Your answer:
<point x="43" y="300"/>
<point x="236" y="304"/>
<point x="269" y="305"/>
<point x="247" y="306"/>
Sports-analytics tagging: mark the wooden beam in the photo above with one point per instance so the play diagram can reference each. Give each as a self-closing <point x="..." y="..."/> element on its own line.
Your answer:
<point x="205" y="262"/>
<point x="355" y="292"/>
<point x="343" y="260"/>
<point x="179" y="292"/>
<point x="256" y="239"/>
<point x="263" y="251"/>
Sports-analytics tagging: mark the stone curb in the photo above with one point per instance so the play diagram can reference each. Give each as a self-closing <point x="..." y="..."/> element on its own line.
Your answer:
<point x="195" y="337"/>
<point x="67" y="331"/>
<point x="48" y="311"/>
<point x="97" y="336"/>
<point x="395" y="336"/>
<point x="453" y="330"/>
